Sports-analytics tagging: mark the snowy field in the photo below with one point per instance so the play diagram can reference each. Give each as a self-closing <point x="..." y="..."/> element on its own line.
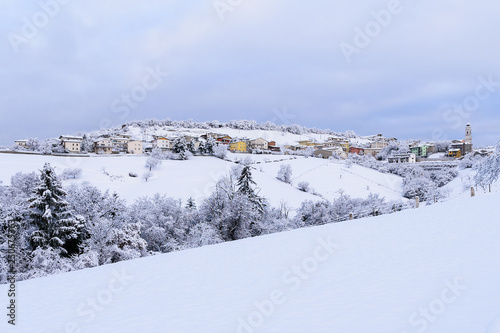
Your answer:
<point x="435" y="269"/>
<point x="197" y="177"/>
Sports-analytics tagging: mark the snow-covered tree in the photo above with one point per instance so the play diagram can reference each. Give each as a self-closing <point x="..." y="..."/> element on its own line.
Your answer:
<point x="303" y="186"/>
<point x="220" y="151"/>
<point x="489" y="170"/>
<point x="191" y="147"/>
<point x="161" y="222"/>
<point x="421" y="186"/>
<point x="147" y="175"/>
<point x="210" y="145"/>
<point x="25" y="182"/>
<point x="152" y="163"/>
<point x="71" y="173"/>
<point x="190" y="203"/>
<point x="181" y="148"/>
<point x="33" y="144"/>
<point x="285" y="173"/>
<point x="54" y="224"/>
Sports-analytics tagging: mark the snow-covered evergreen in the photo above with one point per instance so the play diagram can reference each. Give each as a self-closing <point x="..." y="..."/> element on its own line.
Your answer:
<point x="53" y="223"/>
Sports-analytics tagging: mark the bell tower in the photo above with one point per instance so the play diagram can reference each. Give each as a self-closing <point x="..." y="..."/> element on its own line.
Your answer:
<point x="468" y="134"/>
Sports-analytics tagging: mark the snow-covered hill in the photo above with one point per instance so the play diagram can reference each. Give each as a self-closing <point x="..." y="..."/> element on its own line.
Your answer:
<point x="197" y="177"/>
<point x="434" y="269"/>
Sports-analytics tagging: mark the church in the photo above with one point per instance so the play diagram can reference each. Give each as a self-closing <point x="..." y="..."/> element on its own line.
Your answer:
<point x="461" y="148"/>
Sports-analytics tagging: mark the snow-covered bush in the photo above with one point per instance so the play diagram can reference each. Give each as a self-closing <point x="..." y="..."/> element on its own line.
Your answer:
<point x="303" y="186"/>
<point x="422" y="187"/>
<point x="152" y="163"/>
<point x="489" y="170"/>
<point x="285" y="173"/>
<point x="25" y="182"/>
<point x="220" y="151"/>
<point x="71" y="173"/>
<point x="147" y="175"/>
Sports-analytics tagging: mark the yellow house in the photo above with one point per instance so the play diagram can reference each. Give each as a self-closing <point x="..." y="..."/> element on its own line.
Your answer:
<point x="455" y="153"/>
<point x="306" y="143"/>
<point x="345" y="146"/>
<point x="239" y="146"/>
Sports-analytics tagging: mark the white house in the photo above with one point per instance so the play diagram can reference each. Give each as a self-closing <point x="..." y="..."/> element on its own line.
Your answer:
<point x="259" y="143"/>
<point x="135" y="147"/>
<point x="21" y="143"/>
<point x="71" y="143"/>
<point x="103" y="146"/>
<point x="163" y="143"/>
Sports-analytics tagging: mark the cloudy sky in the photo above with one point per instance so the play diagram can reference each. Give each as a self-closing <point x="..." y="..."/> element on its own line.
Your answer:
<point x="407" y="69"/>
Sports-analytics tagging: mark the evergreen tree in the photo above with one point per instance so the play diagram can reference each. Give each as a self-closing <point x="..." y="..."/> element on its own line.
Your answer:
<point x="191" y="204"/>
<point x="245" y="182"/>
<point x="209" y="146"/>
<point x="180" y="145"/>
<point x="191" y="147"/>
<point x="53" y="223"/>
<point x="201" y="148"/>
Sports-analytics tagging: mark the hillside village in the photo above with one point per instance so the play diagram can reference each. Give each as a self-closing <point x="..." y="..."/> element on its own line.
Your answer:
<point x="337" y="146"/>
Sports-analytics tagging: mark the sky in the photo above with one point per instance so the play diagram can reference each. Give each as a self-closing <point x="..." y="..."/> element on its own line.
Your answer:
<point x="410" y="69"/>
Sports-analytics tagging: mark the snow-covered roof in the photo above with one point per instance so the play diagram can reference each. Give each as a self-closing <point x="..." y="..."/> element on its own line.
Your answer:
<point x="70" y="137"/>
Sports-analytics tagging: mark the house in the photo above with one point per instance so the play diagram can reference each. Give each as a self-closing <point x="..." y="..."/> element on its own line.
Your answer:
<point x="464" y="148"/>
<point x="259" y="143"/>
<point x="326" y="153"/>
<point x="372" y="151"/>
<point x="120" y="142"/>
<point x="455" y="152"/>
<point x="421" y="150"/>
<point x="238" y="147"/>
<point x="162" y="142"/>
<point x="21" y="143"/>
<point x="345" y="146"/>
<point x="308" y="143"/>
<point x="357" y="150"/>
<point x="402" y="158"/>
<point x="294" y="147"/>
<point x="379" y="145"/>
<point x="224" y="139"/>
<point x="273" y="147"/>
<point x="73" y="144"/>
<point x="209" y="135"/>
<point x="135" y="147"/>
<point x="103" y="146"/>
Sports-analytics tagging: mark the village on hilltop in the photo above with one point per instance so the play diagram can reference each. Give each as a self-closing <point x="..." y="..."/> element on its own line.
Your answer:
<point x="340" y="147"/>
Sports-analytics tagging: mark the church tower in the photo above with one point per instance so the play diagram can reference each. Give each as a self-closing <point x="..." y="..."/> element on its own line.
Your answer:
<point x="468" y="134"/>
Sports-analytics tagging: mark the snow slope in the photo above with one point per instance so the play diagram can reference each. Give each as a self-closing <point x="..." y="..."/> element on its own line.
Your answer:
<point x="435" y="269"/>
<point x="197" y="177"/>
